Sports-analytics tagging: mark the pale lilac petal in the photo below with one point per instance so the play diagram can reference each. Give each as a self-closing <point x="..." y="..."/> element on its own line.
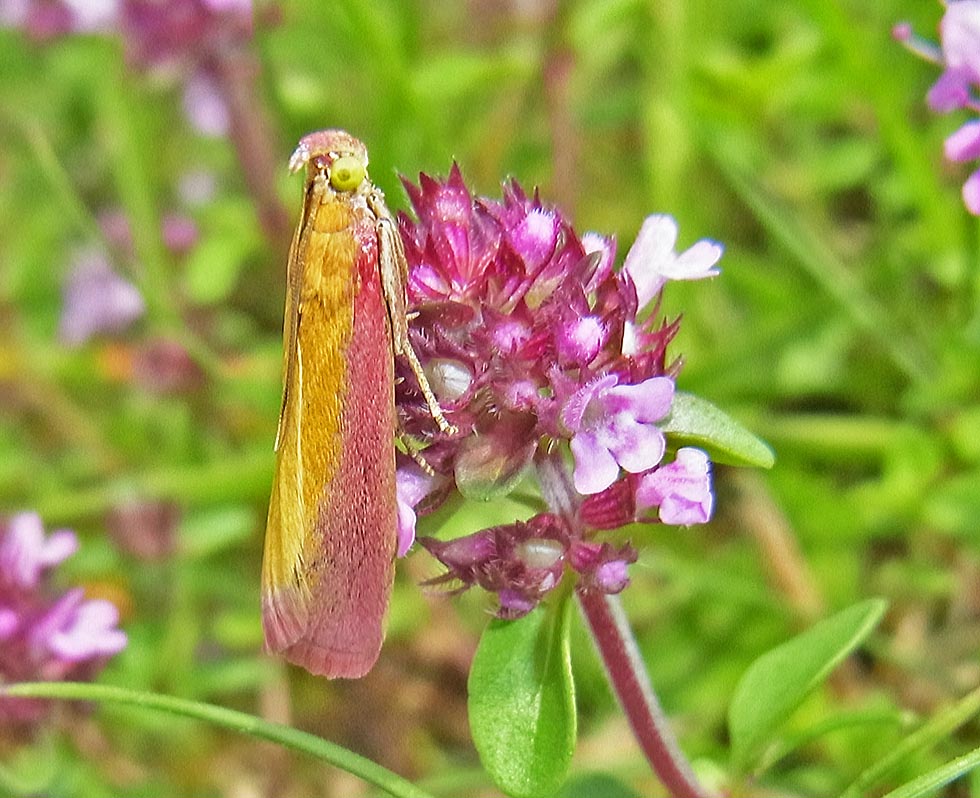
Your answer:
<point x="59" y="546"/>
<point x="94" y="15"/>
<point x="405" y="528"/>
<point x="412" y="485"/>
<point x="960" y="33"/>
<point x="681" y="489"/>
<point x="971" y="193"/>
<point x="573" y="416"/>
<point x="679" y="510"/>
<point x="97" y="300"/>
<point x="21" y="549"/>
<point x="647" y="401"/>
<point x="612" y="577"/>
<point x="638" y="447"/>
<point x="651" y="256"/>
<point x="595" y="467"/>
<point x="696" y="262"/>
<point x="14" y="13"/>
<point x="90" y="633"/>
<point x="964" y="144"/>
<point x="224" y="6"/>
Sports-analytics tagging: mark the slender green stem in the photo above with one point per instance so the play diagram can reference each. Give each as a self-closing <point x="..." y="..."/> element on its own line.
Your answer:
<point x="941" y="776"/>
<point x="232" y="720"/>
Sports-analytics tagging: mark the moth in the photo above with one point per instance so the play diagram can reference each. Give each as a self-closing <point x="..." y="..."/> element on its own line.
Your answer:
<point x="328" y="562"/>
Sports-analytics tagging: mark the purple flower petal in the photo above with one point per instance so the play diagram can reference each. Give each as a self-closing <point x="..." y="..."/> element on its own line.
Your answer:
<point x="964" y="144"/>
<point x="97" y="300"/>
<point x="24" y="552"/>
<point x="89" y="633"/>
<point x="612" y="577"/>
<point x="647" y="401"/>
<point x="412" y="485"/>
<point x="595" y="467"/>
<point x="950" y="91"/>
<point x="697" y="261"/>
<point x="638" y="446"/>
<point x="960" y="34"/>
<point x="681" y="489"/>
<point x="651" y="261"/>
<point x="9" y="622"/>
<point x="971" y="193"/>
<point x="573" y="413"/>
<point x="94" y="15"/>
<point x="647" y="258"/>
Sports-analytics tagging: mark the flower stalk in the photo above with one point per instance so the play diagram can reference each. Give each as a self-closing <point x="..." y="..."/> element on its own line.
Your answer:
<point x="614" y="640"/>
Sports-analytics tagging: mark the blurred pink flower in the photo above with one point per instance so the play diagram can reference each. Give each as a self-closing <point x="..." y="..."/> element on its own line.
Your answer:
<point x="958" y="87"/>
<point x="45" y="637"/>
<point x="96" y="300"/>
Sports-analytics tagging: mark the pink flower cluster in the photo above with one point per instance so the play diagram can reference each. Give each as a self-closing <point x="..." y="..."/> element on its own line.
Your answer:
<point x="958" y="87"/>
<point x="186" y="38"/>
<point x="45" y="638"/>
<point x="532" y="340"/>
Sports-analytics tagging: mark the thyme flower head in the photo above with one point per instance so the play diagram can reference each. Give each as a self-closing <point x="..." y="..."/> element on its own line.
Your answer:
<point x="43" y="636"/>
<point x="535" y="343"/>
<point x="958" y="87"/>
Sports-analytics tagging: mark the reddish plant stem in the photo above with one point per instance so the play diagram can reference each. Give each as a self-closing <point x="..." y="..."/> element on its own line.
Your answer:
<point x="624" y="667"/>
<point x="614" y="639"/>
<point x="255" y="143"/>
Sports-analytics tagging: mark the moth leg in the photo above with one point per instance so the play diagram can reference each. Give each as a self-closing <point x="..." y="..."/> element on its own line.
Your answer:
<point x="394" y="274"/>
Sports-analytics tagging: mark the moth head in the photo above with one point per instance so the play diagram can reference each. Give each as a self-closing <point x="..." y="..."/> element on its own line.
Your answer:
<point x="334" y="153"/>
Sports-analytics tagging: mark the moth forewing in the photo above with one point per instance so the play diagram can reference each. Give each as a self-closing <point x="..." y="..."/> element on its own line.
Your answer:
<point x="330" y="542"/>
<point x="312" y="193"/>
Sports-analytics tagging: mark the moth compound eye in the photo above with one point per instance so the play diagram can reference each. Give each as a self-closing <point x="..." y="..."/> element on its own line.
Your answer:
<point x="346" y="173"/>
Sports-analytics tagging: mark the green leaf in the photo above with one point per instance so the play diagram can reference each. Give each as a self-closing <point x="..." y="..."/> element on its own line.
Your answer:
<point x="229" y="240"/>
<point x="213" y="268"/>
<point x="694" y="421"/>
<point x="597" y="785"/>
<point x="522" y="702"/>
<point x="778" y="681"/>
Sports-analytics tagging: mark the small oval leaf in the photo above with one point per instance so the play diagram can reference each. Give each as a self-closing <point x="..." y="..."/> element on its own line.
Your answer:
<point x="778" y="681"/>
<point x="522" y="702"/>
<point x="694" y="421"/>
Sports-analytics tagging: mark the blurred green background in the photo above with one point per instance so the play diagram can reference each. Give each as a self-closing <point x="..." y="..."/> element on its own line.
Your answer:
<point x="845" y="329"/>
